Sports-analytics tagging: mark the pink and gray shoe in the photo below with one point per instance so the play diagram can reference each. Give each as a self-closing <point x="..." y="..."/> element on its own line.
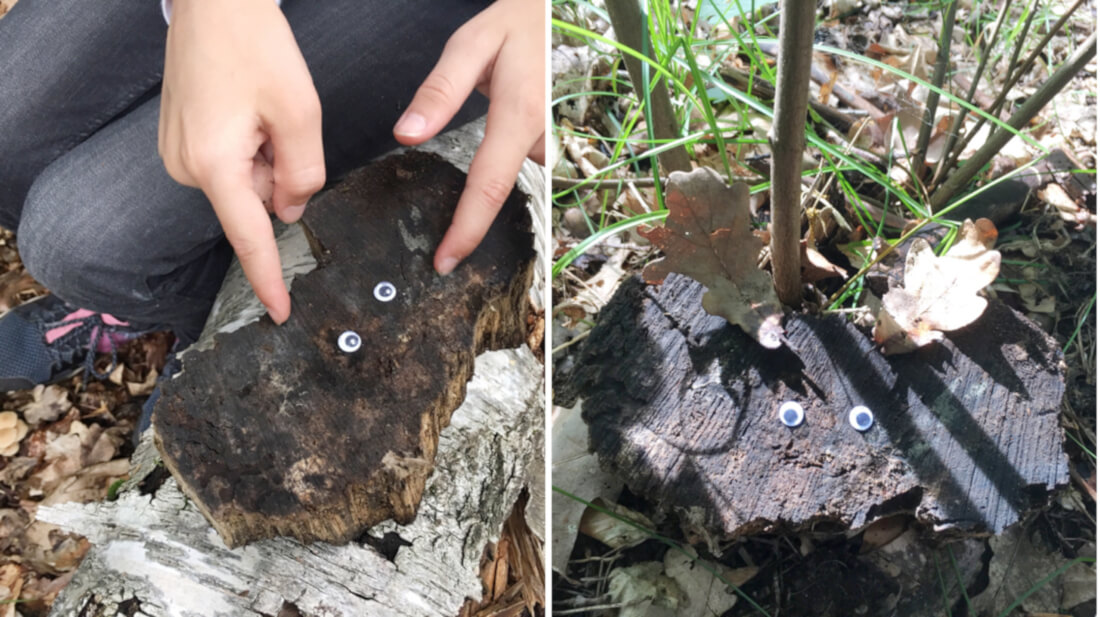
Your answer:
<point x="46" y="340"/>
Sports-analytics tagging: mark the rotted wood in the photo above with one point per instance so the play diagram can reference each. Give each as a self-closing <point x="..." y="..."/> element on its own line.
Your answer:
<point x="683" y="406"/>
<point x="276" y="431"/>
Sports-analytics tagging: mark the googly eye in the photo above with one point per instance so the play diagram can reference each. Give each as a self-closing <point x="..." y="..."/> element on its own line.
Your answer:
<point x="861" y="418"/>
<point x="385" y="291"/>
<point x="791" y="414"/>
<point x="349" y="342"/>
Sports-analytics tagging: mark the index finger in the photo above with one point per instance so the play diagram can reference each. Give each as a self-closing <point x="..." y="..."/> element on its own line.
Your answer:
<point x="248" y="229"/>
<point x="493" y="173"/>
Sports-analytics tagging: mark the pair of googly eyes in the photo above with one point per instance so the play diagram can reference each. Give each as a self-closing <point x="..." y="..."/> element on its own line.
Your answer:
<point x="792" y="415"/>
<point x="349" y="341"/>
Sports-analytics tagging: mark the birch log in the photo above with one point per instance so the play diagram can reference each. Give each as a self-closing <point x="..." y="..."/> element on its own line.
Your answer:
<point x="155" y="554"/>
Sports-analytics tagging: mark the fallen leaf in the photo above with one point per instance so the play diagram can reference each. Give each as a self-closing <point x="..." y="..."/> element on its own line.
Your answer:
<point x="145" y="387"/>
<point x="816" y="267"/>
<point x="49" y="404"/>
<point x="89" y="484"/>
<point x="66" y="455"/>
<point x="116" y="375"/>
<point x="640" y="587"/>
<point x="940" y="294"/>
<point x="13" y="285"/>
<point x="706" y="595"/>
<point x="11" y="587"/>
<point x="708" y="236"/>
<point x="612" y="530"/>
<point x="882" y="532"/>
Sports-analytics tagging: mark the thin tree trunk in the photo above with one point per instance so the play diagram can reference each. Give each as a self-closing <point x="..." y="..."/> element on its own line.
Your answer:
<point x="626" y="17"/>
<point x="787" y="139"/>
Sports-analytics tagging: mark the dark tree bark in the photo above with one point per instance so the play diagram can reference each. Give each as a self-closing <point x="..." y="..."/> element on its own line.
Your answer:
<point x="683" y="407"/>
<point x="277" y="431"/>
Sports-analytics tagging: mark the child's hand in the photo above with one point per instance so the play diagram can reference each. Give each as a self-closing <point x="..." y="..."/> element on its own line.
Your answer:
<point x="235" y="85"/>
<point x="502" y="53"/>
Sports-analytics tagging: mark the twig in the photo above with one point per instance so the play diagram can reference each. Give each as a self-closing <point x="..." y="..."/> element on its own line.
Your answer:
<point x="953" y="134"/>
<point x="559" y="183"/>
<point x="1001" y="136"/>
<point x="933" y="100"/>
<point x="580" y="337"/>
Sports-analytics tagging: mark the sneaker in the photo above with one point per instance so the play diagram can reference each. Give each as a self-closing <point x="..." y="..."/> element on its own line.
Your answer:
<point x="46" y="340"/>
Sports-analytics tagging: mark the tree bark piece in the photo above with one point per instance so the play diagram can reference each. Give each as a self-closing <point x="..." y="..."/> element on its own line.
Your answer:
<point x="276" y="431"/>
<point x="684" y="408"/>
<point x="156" y="554"/>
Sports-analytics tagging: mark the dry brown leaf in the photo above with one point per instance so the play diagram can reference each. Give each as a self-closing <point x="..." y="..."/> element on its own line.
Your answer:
<point x="66" y="455"/>
<point x="708" y="236"/>
<point x="940" y="294"/>
<point x="11" y="587"/>
<point x="13" y="285"/>
<point x="45" y="548"/>
<point x="815" y="266"/>
<point x="882" y="532"/>
<point x="614" y="531"/>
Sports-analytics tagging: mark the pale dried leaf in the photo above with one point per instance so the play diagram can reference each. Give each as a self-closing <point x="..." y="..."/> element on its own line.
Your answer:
<point x="612" y="530"/>
<point x="11" y="588"/>
<point x="940" y="294"/>
<point x="816" y="266"/>
<point x="89" y="484"/>
<point x="116" y="375"/>
<point x="641" y="586"/>
<point x="49" y="404"/>
<point x="708" y="236"/>
<point x="706" y="595"/>
<point x="882" y="532"/>
<point x="145" y="387"/>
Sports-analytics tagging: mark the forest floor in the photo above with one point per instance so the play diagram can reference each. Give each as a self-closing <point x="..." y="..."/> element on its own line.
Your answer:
<point x="605" y="566"/>
<point x="72" y="441"/>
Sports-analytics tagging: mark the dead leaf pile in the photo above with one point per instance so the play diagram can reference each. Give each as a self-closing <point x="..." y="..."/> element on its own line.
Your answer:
<point x="708" y="237"/>
<point x="940" y="293"/>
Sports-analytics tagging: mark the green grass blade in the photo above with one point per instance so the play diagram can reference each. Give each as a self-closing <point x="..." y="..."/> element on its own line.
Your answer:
<point x="582" y="246"/>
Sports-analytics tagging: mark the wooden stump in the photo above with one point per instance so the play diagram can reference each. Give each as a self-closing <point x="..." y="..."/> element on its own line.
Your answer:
<point x="683" y="406"/>
<point x="277" y="431"/>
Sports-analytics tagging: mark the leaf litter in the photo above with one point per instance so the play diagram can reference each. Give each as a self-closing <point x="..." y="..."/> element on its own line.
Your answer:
<point x="65" y="442"/>
<point x="1053" y="249"/>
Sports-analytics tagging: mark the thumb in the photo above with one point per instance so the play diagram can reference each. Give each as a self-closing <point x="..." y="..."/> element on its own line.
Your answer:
<point x="467" y="55"/>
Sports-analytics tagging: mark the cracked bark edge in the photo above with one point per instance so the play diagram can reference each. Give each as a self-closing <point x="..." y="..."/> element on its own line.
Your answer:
<point x="161" y="550"/>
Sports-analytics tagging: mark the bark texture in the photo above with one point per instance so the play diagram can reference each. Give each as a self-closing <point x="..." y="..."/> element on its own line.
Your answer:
<point x="278" y="431"/>
<point x="683" y="407"/>
<point x="155" y="554"/>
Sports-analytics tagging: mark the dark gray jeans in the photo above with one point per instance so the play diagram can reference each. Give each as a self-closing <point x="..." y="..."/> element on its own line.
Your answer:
<point x="99" y="221"/>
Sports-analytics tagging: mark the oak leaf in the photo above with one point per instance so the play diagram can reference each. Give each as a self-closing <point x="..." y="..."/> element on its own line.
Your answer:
<point x="708" y="237"/>
<point x="940" y="293"/>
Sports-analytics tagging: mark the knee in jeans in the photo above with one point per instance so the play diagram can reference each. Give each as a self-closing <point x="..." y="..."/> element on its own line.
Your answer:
<point x="62" y="245"/>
